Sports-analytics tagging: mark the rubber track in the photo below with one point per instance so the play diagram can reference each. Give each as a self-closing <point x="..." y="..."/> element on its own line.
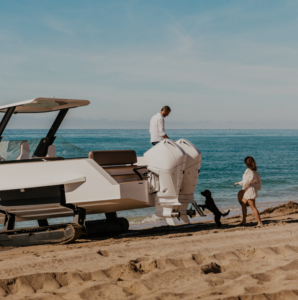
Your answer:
<point x="78" y="232"/>
<point x="76" y="228"/>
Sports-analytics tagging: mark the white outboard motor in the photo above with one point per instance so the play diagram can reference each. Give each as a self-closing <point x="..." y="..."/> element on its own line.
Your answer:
<point x="166" y="164"/>
<point x="190" y="177"/>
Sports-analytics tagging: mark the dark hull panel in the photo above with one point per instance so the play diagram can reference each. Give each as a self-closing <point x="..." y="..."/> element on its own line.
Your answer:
<point x="32" y="196"/>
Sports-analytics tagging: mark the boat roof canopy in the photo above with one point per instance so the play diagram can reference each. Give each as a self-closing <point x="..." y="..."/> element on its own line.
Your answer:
<point x="41" y="105"/>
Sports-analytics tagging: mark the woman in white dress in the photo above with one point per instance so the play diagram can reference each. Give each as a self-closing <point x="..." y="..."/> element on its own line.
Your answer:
<point x="251" y="184"/>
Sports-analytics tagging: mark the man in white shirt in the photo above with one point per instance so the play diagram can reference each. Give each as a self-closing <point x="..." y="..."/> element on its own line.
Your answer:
<point x="157" y="126"/>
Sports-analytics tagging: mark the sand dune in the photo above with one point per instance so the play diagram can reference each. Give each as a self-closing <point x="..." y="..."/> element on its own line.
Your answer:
<point x="185" y="262"/>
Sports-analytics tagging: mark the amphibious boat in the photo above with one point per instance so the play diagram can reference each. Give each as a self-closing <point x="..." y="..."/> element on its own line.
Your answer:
<point x="36" y="184"/>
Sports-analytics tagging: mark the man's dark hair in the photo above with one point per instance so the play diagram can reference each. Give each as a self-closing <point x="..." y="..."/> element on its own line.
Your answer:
<point x="167" y="108"/>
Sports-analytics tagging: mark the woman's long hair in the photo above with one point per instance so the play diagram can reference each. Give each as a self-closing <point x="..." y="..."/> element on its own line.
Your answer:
<point x="250" y="163"/>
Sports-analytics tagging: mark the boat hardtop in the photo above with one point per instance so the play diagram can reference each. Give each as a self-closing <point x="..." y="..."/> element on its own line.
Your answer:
<point x="42" y="104"/>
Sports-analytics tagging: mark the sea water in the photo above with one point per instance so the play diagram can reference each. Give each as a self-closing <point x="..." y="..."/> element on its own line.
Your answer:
<point x="275" y="152"/>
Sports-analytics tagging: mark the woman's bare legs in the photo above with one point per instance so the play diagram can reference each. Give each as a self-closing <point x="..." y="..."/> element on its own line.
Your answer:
<point x="243" y="205"/>
<point x="252" y="204"/>
<point x="240" y="196"/>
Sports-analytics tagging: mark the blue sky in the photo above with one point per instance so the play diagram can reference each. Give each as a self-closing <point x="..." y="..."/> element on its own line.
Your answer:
<point x="218" y="64"/>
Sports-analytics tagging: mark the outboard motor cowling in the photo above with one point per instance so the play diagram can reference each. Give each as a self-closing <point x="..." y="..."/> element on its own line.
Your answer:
<point x="190" y="177"/>
<point x="167" y="161"/>
<point x="192" y="169"/>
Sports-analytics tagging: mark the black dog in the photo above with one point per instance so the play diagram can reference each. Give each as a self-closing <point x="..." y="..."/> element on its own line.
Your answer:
<point x="209" y="204"/>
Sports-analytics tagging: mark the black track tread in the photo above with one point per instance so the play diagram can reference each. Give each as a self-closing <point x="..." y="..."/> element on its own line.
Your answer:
<point x="76" y="228"/>
<point x="35" y="229"/>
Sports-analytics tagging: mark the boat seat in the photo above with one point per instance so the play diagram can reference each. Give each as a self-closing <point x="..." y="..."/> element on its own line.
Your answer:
<point x="24" y="151"/>
<point x="51" y="151"/>
<point x="117" y="163"/>
<point x="114" y="157"/>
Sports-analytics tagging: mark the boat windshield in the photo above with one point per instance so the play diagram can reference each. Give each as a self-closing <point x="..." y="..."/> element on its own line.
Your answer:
<point x="10" y="149"/>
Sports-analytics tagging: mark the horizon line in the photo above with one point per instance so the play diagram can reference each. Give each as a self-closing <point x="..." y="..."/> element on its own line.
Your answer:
<point x="148" y="129"/>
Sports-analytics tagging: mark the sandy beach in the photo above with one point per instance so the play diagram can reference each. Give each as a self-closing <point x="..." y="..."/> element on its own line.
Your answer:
<point x="197" y="261"/>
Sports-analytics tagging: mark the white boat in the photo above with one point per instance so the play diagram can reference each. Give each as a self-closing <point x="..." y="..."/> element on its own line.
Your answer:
<point x="38" y="185"/>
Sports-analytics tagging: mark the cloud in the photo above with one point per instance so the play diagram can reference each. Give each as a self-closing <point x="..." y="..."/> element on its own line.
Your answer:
<point x="9" y="37"/>
<point x="118" y="84"/>
<point x="58" y="25"/>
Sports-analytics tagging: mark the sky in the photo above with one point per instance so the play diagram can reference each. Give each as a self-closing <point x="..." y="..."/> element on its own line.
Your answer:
<point x="217" y="64"/>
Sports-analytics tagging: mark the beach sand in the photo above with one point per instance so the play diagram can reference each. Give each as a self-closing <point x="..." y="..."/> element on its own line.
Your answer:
<point x="197" y="261"/>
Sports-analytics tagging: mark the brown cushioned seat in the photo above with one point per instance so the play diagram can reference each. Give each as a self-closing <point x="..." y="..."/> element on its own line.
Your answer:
<point x="114" y="157"/>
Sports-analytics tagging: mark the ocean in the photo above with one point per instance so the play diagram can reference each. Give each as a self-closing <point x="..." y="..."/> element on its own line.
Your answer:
<point x="275" y="152"/>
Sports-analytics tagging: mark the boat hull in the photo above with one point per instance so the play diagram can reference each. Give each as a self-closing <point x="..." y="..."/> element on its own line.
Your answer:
<point x="50" y="186"/>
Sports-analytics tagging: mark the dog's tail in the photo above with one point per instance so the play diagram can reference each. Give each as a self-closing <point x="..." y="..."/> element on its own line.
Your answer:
<point x="225" y="214"/>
